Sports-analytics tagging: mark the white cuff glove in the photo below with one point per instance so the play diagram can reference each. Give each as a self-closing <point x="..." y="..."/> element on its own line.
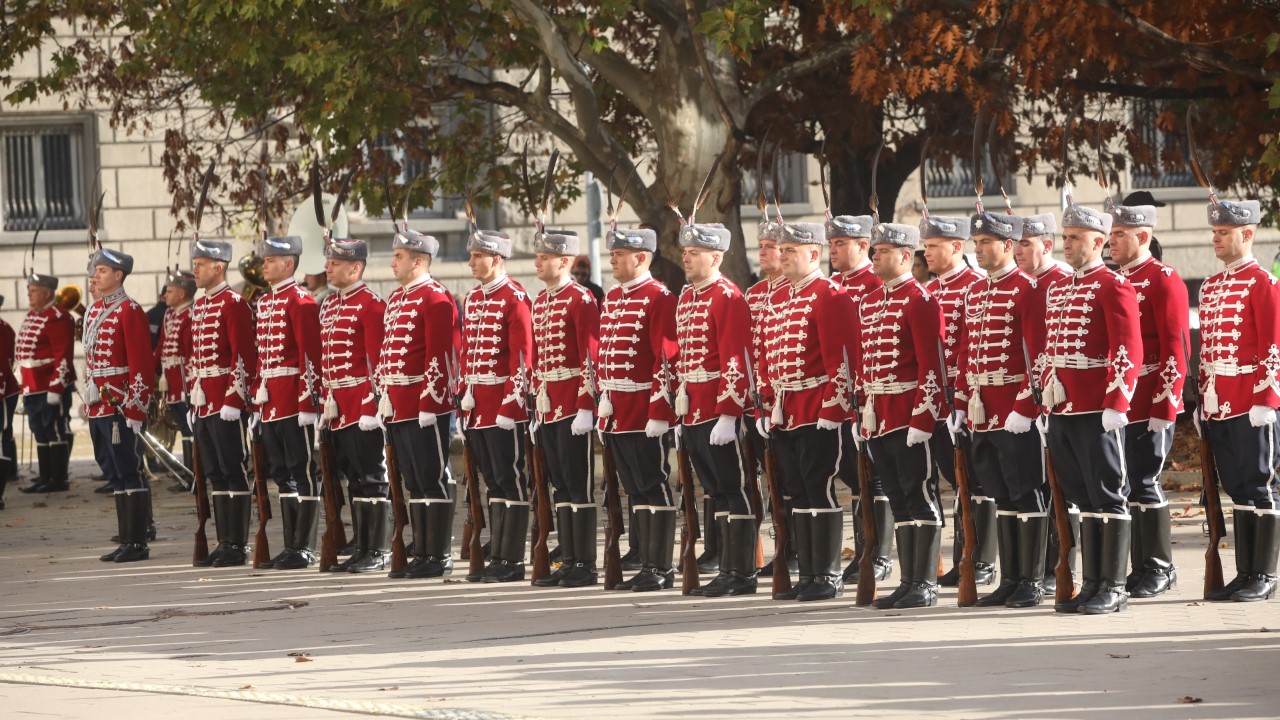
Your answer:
<point x="254" y="419"/>
<point x="53" y="398"/>
<point x="1017" y="424"/>
<point x="1261" y="416"/>
<point x="1195" y="420"/>
<point x="679" y="429"/>
<point x="368" y="423"/>
<point x="725" y="430"/>
<point x="582" y="422"/>
<point x="764" y="426"/>
<point x="230" y="414"/>
<point x="322" y="422"/>
<point x="656" y="428"/>
<point x="915" y="437"/>
<point x="505" y="422"/>
<point x="1159" y="425"/>
<point x="824" y="424"/>
<point x="305" y="419"/>
<point x="1113" y="420"/>
<point x="191" y="418"/>
<point x="955" y="423"/>
<point x="426" y="419"/>
<point x="134" y="425"/>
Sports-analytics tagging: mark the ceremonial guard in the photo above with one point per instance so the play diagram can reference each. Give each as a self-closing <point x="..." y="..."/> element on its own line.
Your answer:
<point x="901" y="376"/>
<point x="220" y="372"/>
<point x="287" y="397"/>
<point x="351" y="332"/>
<point x="120" y="369"/>
<point x="44" y="349"/>
<point x="1093" y="348"/>
<point x="566" y="334"/>
<point x="1166" y="344"/>
<point x="497" y="347"/>
<point x="173" y="353"/>
<point x="1003" y="329"/>
<point x="807" y="376"/>
<point x="849" y="238"/>
<point x="637" y="345"/>
<point x="944" y="239"/>
<point x="1240" y="391"/>
<point x="10" y="392"/>
<point x="420" y="342"/>
<point x="713" y="329"/>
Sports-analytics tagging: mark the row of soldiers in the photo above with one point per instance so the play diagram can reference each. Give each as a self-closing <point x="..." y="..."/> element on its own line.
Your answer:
<point x="867" y="360"/>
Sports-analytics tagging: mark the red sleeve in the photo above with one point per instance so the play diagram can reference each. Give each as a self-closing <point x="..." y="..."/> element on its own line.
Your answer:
<point x="1266" y="325"/>
<point x="836" y="337"/>
<point x="373" y="323"/>
<point x="244" y="353"/>
<point x="443" y="338"/>
<point x="520" y="360"/>
<point x="662" y="338"/>
<point x="1173" y="328"/>
<point x="1124" y="333"/>
<point x="926" y="337"/>
<point x="1032" y="321"/>
<point x="733" y="338"/>
<point x="305" y="322"/>
<point x="62" y="332"/>
<point x="962" y="389"/>
<point x="137" y="335"/>
<point x="586" y="324"/>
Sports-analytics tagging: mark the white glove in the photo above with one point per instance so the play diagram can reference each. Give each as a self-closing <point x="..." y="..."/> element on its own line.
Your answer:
<point x="656" y="428"/>
<point x="505" y="422"/>
<point x="1195" y="420"/>
<point x="1042" y="424"/>
<point x="824" y="424"/>
<point x="764" y="426"/>
<point x="305" y="419"/>
<point x="915" y="437"/>
<point x="191" y="418"/>
<point x="1158" y="425"/>
<point x="1017" y="424"/>
<point x="1113" y="420"/>
<point x="230" y="414"/>
<point x="426" y="419"/>
<point x="725" y="430"/>
<point x="955" y="423"/>
<point x="369" y="423"/>
<point x="53" y="398"/>
<point x="322" y="422"/>
<point x="582" y="422"/>
<point x="679" y="429"/>
<point x="254" y="419"/>
<point x="1261" y="416"/>
<point x="134" y="425"/>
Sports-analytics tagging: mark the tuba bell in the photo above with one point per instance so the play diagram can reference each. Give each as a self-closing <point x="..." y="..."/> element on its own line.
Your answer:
<point x="69" y="298"/>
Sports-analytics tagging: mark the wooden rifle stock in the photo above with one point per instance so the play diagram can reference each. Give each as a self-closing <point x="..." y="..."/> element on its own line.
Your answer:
<point x="613" y="531"/>
<point x="754" y="494"/>
<point x="870" y="533"/>
<point x="1066" y="587"/>
<point x="1213" y="517"/>
<point x="475" y="511"/>
<point x="968" y="587"/>
<point x="689" y="533"/>
<point x="261" y="551"/>
<point x="399" y="559"/>
<point x="335" y="535"/>
<point x="201" y="491"/>
<point x="540" y="527"/>
<point x="781" y="523"/>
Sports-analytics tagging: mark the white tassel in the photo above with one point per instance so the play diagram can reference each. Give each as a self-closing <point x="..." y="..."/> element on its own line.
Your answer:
<point x="197" y="396"/>
<point x="869" y="417"/>
<point x="163" y="385"/>
<point x="260" y="397"/>
<point x="778" y="417"/>
<point x="977" y="411"/>
<point x="682" y="401"/>
<point x="606" y="406"/>
<point x="115" y="433"/>
<point x="1210" y="398"/>
<point x="330" y="408"/>
<point x="544" y="400"/>
<point x="468" y="400"/>
<point x="384" y="407"/>
<point x="91" y="394"/>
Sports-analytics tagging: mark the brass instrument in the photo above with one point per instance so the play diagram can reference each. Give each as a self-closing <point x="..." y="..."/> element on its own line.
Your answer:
<point x="70" y="299"/>
<point x="251" y="270"/>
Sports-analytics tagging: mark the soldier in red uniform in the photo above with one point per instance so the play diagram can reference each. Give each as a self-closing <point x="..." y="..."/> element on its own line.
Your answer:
<point x="351" y="329"/>
<point x="420" y="341"/>
<point x="713" y="327"/>
<point x="287" y="397"/>
<point x="45" y="344"/>
<point x="10" y="392"/>
<point x="902" y="377"/>
<point x="172" y="355"/>
<point x="637" y="337"/>
<point x="944" y="239"/>
<point x="1003" y="329"/>
<point x="120" y="369"/>
<point x="566" y="336"/>
<point x="497" y="347"/>
<point x="1092" y="353"/>
<point x="1240" y="391"/>
<point x="806" y="374"/>
<point x="1166" y="343"/>
<point x="220" y="371"/>
<point x="849" y="237"/>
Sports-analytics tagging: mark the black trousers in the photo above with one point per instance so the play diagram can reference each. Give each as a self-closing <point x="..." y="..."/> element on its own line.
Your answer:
<point x="8" y="448"/>
<point x="178" y="413"/>
<point x="121" y="461"/>
<point x="287" y="447"/>
<point x="1248" y="460"/>
<point x="47" y="422"/>
<point x="944" y="457"/>
<point x="1144" y="454"/>
<point x="906" y="472"/>
<point x="569" y="462"/>
<point x="500" y="455"/>
<point x="1013" y="466"/>
<point x="359" y="456"/>
<point x="222" y="449"/>
<point x="809" y="461"/>
<point x="719" y="467"/>
<point x="849" y="465"/>
<point x="1090" y="463"/>
<point x="422" y="457"/>
<point x="644" y="467"/>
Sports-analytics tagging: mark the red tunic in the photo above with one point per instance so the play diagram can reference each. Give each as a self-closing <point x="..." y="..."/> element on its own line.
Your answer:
<point x="637" y="330"/>
<point x="1093" y="344"/>
<point x="118" y="358"/>
<point x="223" y="355"/>
<point x="713" y="329"/>
<point x="172" y="354"/>
<point x="1239" y="341"/>
<point x="8" y="380"/>
<point x="421" y="340"/>
<point x="760" y="301"/>
<point x="44" y="349"/>
<point x="288" y="381"/>
<point x="566" y="337"/>
<point x="899" y="363"/>
<point x="950" y="289"/>
<point x="351" y="326"/>
<point x="497" y="352"/>
<point x="1166" y="339"/>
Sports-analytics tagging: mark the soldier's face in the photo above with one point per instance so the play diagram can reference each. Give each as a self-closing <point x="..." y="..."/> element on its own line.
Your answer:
<point x="1232" y="243"/>
<point x="551" y="269"/>
<point x="37" y="296"/>
<point x="278" y="268"/>
<point x="1030" y="253"/>
<point x="770" y="258"/>
<point x="343" y="273"/>
<point x="105" y="280"/>
<point x="890" y="262"/>
<point x="940" y="254"/>
<point x="174" y="296"/>
<point x="843" y="251"/>
<point x="208" y="272"/>
<point x="993" y="253"/>
<point x="798" y="260"/>
<point x="484" y="266"/>
<point x="627" y="265"/>
<point x="699" y="263"/>
<point x="1081" y="247"/>
<point x="1126" y="243"/>
<point x="404" y="264"/>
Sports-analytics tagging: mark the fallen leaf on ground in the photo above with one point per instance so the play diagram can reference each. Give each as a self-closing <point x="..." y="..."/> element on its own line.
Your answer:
<point x="1265" y="630"/>
<point x="39" y="505"/>
<point x="246" y="687"/>
<point x="393" y="687"/>
<point x="298" y="654"/>
<point x="1118" y="657"/>
<point x="846" y="554"/>
<point x="1187" y="700"/>
<point x="303" y="658"/>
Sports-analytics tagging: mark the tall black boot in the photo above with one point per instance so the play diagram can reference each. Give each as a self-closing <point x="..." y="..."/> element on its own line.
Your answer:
<point x="6" y="469"/>
<point x="221" y="515"/>
<point x="497" y="518"/>
<point x="709" y="561"/>
<point x="437" y="519"/>
<point x="353" y="545"/>
<point x="235" y="544"/>
<point x="1007" y="539"/>
<point x="305" y="528"/>
<point x="715" y="588"/>
<point x="1266" y="549"/>
<point x="1138" y="520"/>
<point x="924" y="590"/>
<point x="641" y="520"/>
<point x="1245" y="522"/>
<point x="583" y="573"/>
<point x="906" y="539"/>
<point x="658" y="573"/>
<point x="360" y="509"/>
<point x="883" y="561"/>
<point x="1158" y="574"/>
<point x="59" y="455"/>
<point x="564" y="533"/>
<point x="288" y="525"/>
<point x="120" y="534"/>
<point x="850" y="574"/>
<point x="985" y="552"/>
<point x="952" y="577"/>
<point x="738" y="556"/>
<point x="417" y="549"/>
<point x="802" y="537"/>
<point x="1090" y="564"/>
<point x="515" y="539"/>
<point x="376" y="531"/>
<point x="631" y="559"/>
<point x="43" y="467"/>
<point x="824" y="551"/>
<point x="1111" y="596"/>
<point x="137" y="505"/>
<point x="1033" y="536"/>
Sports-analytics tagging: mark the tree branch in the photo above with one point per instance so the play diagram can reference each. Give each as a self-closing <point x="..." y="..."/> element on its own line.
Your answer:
<point x="1156" y="93"/>
<point x="810" y="64"/>
<point x="615" y="68"/>
<point x="700" y="49"/>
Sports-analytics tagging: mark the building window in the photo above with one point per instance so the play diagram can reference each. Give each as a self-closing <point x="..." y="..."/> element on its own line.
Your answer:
<point x="443" y="206"/>
<point x="958" y="181"/>
<point x="1166" y="148"/>
<point x="793" y="187"/>
<point x="45" y="166"/>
